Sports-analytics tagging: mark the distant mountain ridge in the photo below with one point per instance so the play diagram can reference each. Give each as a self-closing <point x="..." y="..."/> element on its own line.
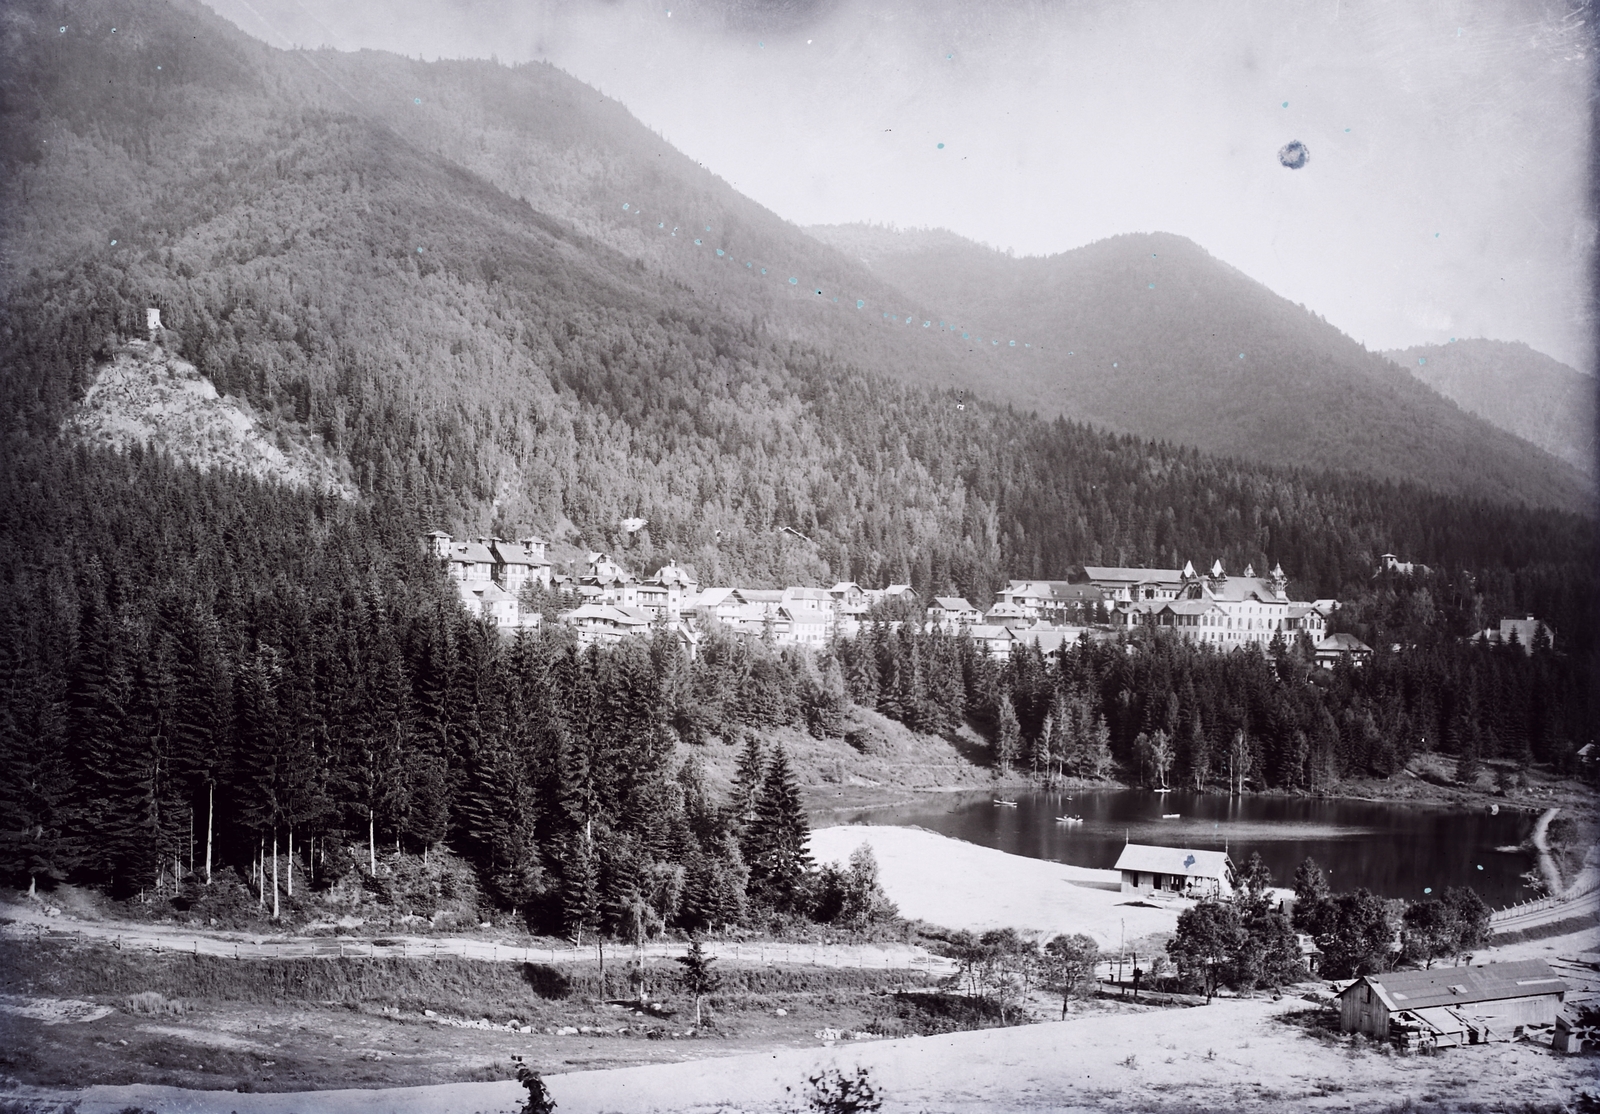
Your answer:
<point x="1516" y="388"/>
<point x="1149" y="334"/>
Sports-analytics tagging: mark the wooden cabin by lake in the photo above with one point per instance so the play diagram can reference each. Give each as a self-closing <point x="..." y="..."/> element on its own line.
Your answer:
<point x="1453" y="1005"/>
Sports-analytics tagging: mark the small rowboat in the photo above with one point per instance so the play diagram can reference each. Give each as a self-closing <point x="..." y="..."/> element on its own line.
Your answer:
<point x="1162" y="790"/>
<point x="1169" y="815"/>
<point x="1008" y="804"/>
<point x="1069" y="820"/>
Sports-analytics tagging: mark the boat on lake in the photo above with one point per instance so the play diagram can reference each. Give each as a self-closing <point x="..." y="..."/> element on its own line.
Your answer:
<point x="1170" y="815"/>
<point x="1069" y="820"/>
<point x="1008" y="804"/>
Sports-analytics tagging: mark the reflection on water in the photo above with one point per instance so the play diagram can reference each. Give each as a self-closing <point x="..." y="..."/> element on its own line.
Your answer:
<point x="1392" y="849"/>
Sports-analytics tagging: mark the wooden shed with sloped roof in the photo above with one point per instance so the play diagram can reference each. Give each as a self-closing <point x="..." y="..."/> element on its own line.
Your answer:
<point x="1453" y="1005"/>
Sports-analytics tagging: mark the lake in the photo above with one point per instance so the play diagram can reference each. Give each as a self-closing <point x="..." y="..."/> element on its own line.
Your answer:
<point x="1397" y="850"/>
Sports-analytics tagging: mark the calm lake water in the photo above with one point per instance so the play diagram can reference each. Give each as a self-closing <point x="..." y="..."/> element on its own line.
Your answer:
<point x="1393" y="850"/>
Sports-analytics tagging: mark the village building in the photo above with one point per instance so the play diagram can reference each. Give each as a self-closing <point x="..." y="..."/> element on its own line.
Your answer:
<point x="1335" y="646"/>
<point x="680" y="585"/>
<point x="1453" y="1005"/>
<point x="996" y="639"/>
<point x="1225" y="611"/>
<point x="1129" y="585"/>
<point x="1523" y="631"/>
<point x="519" y="563"/>
<point x="1056" y="602"/>
<point x="488" y="601"/>
<point x="464" y="560"/>
<point x="1006" y="614"/>
<point x="953" y="610"/>
<point x="1388" y="562"/>
<point x="605" y="623"/>
<point x="1151" y="870"/>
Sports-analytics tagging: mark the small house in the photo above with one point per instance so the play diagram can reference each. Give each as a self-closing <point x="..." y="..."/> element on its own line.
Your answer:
<point x="953" y="610"/>
<point x="1150" y="870"/>
<point x="1448" y="1006"/>
<point x="1331" y="648"/>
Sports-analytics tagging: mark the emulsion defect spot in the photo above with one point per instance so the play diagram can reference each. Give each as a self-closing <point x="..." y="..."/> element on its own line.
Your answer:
<point x="1294" y="154"/>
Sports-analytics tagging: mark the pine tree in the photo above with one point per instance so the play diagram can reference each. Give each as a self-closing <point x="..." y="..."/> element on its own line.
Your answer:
<point x="778" y="857"/>
<point x="1007" y="735"/>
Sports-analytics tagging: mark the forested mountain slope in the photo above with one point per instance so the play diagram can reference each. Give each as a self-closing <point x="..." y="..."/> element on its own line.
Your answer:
<point x="1524" y="392"/>
<point x="1150" y="334"/>
<point x="491" y="366"/>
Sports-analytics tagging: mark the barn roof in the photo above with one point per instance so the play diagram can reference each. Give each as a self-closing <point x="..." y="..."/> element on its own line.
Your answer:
<point x="1445" y="986"/>
<point x="1175" y="860"/>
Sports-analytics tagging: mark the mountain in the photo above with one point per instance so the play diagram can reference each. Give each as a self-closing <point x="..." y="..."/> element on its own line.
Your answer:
<point x="486" y="352"/>
<point x="1149" y="334"/>
<point x="1522" y="391"/>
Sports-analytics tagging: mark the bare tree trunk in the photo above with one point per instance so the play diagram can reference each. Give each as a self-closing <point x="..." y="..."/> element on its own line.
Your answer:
<point x="274" y="874"/>
<point x="261" y="873"/>
<point x="211" y="810"/>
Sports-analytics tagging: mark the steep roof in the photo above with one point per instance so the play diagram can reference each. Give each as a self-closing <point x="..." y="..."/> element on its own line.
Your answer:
<point x="1447" y="986"/>
<point x="1237" y="589"/>
<point x="1132" y="576"/>
<point x="953" y="603"/>
<point x="1341" y="644"/>
<point x="1175" y="860"/>
<point x="471" y="552"/>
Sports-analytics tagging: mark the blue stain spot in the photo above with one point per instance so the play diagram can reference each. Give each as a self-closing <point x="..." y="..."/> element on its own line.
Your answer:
<point x="1294" y="154"/>
<point x="113" y="243"/>
<point x="1113" y="365"/>
<point x="1421" y="361"/>
<point x="860" y="304"/>
<point x="1241" y="355"/>
<point x="419" y="251"/>
<point x="949" y="56"/>
<point x="1285" y="104"/>
<point x="1480" y="866"/>
<point x="1347" y="129"/>
<point x="762" y="45"/>
<point x="1435" y="235"/>
<point x="925" y="324"/>
<point x="1152" y="286"/>
<point x="697" y="242"/>
<point x="708" y="228"/>
<point x="1427" y="889"/>
<point x="1189" y="861"/>
<point x="1072" y="353"/>
<point x="418" y="100"/>
<point x="763" y="270"/>
<point x="836" y="301"/>
<point x="625" y="206"/>
<point x="964" y="336"/>
<point x="995" y="342"/>
<point x="1027" y="346"/>
<point x="721" y="252"/>
<point x="941" y="146"/>
<point x="63" y="30"/>
<point x="909" y="320"/>
<point x="819" y="293"/>
<point x="793" y="281"/>
<point x="1013" y="344"/>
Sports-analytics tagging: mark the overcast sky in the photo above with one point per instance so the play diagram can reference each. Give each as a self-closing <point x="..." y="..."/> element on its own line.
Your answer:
<point x="1445" y="194"/>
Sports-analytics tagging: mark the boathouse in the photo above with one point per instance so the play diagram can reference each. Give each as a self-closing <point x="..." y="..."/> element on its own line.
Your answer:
<point x="1453" y="1005"/>
<point x="1151" y="870"/>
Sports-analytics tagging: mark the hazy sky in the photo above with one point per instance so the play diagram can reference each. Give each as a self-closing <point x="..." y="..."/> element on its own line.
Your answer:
<point x="1445" y="194"/>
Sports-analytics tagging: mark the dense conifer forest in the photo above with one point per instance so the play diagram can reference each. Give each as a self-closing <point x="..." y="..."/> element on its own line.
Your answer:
<point x="197" y="666"/>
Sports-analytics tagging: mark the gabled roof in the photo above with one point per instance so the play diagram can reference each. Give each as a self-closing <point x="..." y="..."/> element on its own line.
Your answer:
<point x="607" y="613"/>
<point x="1175" y="860"/>
<point x="471" y="553"/>
<point x="899" y="590"/>
<point x="760" y="595"/>
<point x="711" y="597"/>
<point x="843" y="586"/>
<point x="820" y="595"/>
<point x="989" y="632"/>
<point x="1454" y="986"/>
<point x="1237" y="589"/>
<point x="1342" y="644"/>
<point x="1010" y="610"/>
<point x="515" y="553"/>
<point x="1190" y="607"/>
<point x="1133" y="576"/>
<point x="953" y="603"/>
<point x="486" y="590"/>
